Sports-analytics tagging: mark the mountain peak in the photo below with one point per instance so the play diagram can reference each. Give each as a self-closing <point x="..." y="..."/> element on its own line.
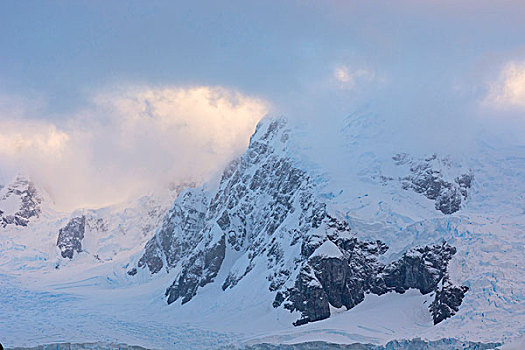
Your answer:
<point x="271" y="129"/>
<point x="20" y="201"/>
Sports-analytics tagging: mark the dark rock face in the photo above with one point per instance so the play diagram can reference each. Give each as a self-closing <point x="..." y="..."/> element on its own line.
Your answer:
<point x="421" y="268"/>
<point x="333" y="280"/>
<point x="424" y="179"/>
<point x="179" y="235"/>
<point x="447" y="301"/>
<point x="344" y="280"/>
<point x="29" y="203"/>
<point x="265" y="213"/>
<point x="70" y="237"/>
<point x="199" y="270"/>
<point x="150" y="258"/>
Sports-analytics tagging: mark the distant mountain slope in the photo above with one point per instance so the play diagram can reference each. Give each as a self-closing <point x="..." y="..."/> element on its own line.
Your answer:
<point x="37" y="237"/>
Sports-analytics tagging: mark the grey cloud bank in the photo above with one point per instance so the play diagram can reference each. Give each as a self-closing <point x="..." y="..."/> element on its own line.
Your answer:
<point x="437" y="71"/>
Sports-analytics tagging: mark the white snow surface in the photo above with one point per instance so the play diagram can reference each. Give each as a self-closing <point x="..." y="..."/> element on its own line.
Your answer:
<point x="328" y="249"/>
<point x="47" y="299"/>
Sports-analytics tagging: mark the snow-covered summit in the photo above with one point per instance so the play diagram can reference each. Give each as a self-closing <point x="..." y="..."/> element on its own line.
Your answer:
<point x="20" y="202"/>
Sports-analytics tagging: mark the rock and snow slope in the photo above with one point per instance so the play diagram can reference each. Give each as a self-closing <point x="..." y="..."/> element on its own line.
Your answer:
<point x="365" y="244"/>
<point x="37" y="237"/>
<point x="19" y="203"/>
<point x="265" y="212"/>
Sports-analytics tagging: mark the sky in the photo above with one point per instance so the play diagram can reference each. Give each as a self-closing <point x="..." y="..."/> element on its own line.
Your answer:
<point x="102" y="100"/>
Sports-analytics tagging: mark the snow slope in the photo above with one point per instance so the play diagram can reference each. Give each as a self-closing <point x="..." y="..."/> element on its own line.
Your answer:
<point x="360" y="179"/>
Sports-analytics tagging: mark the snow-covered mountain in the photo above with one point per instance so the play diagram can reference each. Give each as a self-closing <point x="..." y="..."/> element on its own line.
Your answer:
<point x="266" y="212"/>
<point x="355" y="242"/>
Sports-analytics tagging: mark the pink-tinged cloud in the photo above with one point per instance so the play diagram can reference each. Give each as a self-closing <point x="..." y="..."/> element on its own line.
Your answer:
<point x="131" y="141"/>
<point x="508" y="91"/>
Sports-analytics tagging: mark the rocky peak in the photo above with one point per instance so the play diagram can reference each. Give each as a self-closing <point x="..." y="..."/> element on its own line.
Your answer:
<point x="266" y="212"/>
<point x="19" y="202"/>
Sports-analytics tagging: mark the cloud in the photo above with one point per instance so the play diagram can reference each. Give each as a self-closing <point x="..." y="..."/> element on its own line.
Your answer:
<point x="386" y="55"/>
<point x="347" y="78"/>
<point x="17" y="138"/>
<point x="508" y="91"/>
<point x="130" y="141"/>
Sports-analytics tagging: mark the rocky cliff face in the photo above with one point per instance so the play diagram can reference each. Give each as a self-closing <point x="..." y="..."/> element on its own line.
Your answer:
<point x="70" y="237"/>
<point x="447" y="301"/>
<point x="341" y="271"/>
<point x="265" y="212"/>
<point x="19" y="203"/>
<point x="179" y="234"/>
<point x="427" y="179"/>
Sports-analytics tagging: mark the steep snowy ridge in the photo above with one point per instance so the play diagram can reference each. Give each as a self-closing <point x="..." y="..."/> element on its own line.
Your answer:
<point x="265" y="212"/>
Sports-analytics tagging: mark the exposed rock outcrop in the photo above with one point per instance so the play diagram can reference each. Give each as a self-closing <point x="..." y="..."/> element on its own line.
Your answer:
<point x="343" y="279"/>
<point x="420" y="268"/>
<point x="180" y="233"/>
<point x="447" y="301"/>
<point x="19" y="203"/>
<point x="70" y="237"/>
<point x="429" y="181"/>
<point x="198" y="271"/>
